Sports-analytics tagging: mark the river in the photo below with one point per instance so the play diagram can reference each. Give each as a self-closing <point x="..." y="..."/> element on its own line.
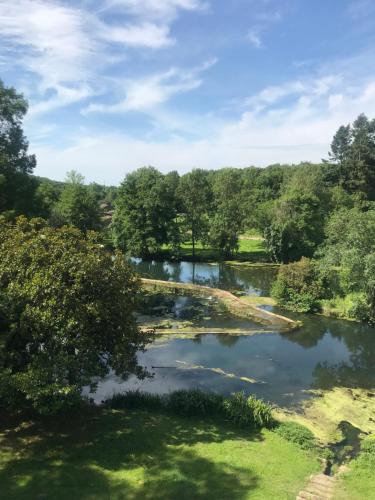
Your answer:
<point x="280" y="367"/>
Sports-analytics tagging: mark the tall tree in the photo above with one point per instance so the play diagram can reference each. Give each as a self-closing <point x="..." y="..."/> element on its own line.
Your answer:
<point x="145" y="212"/>
<point x="352" y="158"/>
<point x="17" y="188"/>
<point x="78" y="204"/>
<point x="227" y="220"/>
<point x="195" y="194"/>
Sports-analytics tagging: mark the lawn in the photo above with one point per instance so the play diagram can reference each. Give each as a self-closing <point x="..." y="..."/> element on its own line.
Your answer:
<point x="251" y="249"/>
<point x="107" y="454"/>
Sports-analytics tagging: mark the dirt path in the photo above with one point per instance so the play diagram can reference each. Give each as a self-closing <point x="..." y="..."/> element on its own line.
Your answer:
<point x="234" y="304"/>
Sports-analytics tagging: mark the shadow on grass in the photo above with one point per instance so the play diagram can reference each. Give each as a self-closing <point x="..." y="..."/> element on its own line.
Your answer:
<point x="104" y="454"/>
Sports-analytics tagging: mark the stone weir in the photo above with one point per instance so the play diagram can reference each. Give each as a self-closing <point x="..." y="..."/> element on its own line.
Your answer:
<point x="233" y="304"/>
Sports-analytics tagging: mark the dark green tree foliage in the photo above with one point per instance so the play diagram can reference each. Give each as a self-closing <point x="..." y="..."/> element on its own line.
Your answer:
<point x="78" y="205"/>
<point x="299" y="286"/>
<point x="352" y="158"/>
<point x="145" y="212"/>
<point x="227" y="220"/>
<point x="17" y="188"/>
<point x="350" y="248"/>
<point x="195" y="193"/>
<point x="294" y="226"/>
<point x="66" y="310"/>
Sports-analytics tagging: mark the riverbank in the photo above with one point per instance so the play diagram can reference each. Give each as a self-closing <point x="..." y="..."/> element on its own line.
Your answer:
<point x="250" y="249"/>
<point x="235" y="305"/>
<point x="133" y="454"/>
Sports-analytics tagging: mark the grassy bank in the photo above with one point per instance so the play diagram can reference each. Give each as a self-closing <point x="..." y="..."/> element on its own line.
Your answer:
<point x="251" y="249"/>
<point x="102" y="454"/>
<point x="358" y="482"/>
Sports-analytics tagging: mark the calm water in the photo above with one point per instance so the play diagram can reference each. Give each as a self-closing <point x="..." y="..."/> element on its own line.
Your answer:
<point x="278" y="367"/>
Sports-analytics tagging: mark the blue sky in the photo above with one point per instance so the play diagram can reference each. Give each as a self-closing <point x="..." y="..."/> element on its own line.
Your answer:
<point x="117" y="84"/>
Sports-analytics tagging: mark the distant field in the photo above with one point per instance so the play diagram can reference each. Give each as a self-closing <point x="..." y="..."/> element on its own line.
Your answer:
<point x="251" y="248"/>
<point x="131" y="455"/>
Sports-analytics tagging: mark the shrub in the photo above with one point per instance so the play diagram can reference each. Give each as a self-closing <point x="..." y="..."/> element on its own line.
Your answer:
<point x="296" y="433"/>
<point x="194" y="402"/>
<point x="299" y="286"/>
<point x="248" y="411"/>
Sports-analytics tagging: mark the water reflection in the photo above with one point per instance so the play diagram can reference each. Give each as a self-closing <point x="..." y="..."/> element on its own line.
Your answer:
<point x="324" y="353"/>
<point x="251" y="280"/>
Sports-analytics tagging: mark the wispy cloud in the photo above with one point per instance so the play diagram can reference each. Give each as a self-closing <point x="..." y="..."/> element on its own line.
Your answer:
<point x="253" y="37"/>
<point x="65" y="46"/>
<point x="164" y="10"/>
<point x="263" y="20"/>
<point x="297" y="132"/>
<point x="147" y="93"/>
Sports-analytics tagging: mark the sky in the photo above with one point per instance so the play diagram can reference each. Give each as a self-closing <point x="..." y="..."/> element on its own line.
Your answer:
<point x="114" y="85"/>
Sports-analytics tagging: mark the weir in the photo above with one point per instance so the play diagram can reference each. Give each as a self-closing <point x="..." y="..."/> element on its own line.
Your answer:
<point x="234" y="304"/>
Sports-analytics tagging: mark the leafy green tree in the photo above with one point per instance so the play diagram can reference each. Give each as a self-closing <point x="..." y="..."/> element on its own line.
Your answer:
<point x="352" y="157"/>
<point x="296" y="220"/>
<point x="195" y="193"/>
<point x="299" y="286"/>
<point x="145" y="212"/>
<point x="67" y="315"/>
<point x="17" y="188"/>
<point x="78" y="205"/>
<point x="227" y="221"/>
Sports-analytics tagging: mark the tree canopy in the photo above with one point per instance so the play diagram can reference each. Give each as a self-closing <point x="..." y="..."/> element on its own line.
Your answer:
<point x="66" y="309"/>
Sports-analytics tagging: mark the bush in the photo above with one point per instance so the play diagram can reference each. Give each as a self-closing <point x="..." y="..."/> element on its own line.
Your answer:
<point x="248" y="411"/>
<point x="299" y="286"/>
<point x="297" y="433"/>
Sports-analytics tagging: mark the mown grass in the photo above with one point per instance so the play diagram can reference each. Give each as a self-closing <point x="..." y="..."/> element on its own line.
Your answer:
<point x="250" y="250"/>
<point x="133" y="454"/>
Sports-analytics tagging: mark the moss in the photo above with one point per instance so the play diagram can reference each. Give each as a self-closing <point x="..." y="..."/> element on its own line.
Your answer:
<point x="324" y="413"/>
<point x="233" y="304"/>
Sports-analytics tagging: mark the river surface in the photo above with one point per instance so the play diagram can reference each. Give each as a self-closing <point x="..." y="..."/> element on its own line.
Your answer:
<point x="281" y="368"/>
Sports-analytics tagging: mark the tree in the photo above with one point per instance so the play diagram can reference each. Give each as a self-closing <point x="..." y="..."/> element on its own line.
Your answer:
<point x="16" y="186"/>
<point x="195" y="194"/>
<point x="299" y="286"/>
<point x="296" y="220"/>
<point x="352" y="157"/>
<point x="144" y="213"/>
<point x="66" y="307"/>
<point x="228" y="219"/>
<point x="78" y="205"/>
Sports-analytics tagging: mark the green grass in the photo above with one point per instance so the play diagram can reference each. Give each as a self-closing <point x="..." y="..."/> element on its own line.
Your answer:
<point x="252" y="250"/>
<point x="109" y="454"/>
<point x="358" y="482"/>
<point x="340" y="307"/>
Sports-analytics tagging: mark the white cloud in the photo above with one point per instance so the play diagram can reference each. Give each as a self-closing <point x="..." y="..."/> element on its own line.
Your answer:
<point x="152" y="91"/>
<point x="253" y="37"/>
<point x="66" y="47"/>
<point x="300" y="132"/>
<point x="142" y="35"/>
<point x="165" y="10"/>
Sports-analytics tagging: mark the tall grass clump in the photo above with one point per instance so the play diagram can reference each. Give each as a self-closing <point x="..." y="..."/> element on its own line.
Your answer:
<point x="248" y="411"/>
<point x="239" y="409"/>
<point x="135" y="400"/>
<point x="189" y="403"/>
